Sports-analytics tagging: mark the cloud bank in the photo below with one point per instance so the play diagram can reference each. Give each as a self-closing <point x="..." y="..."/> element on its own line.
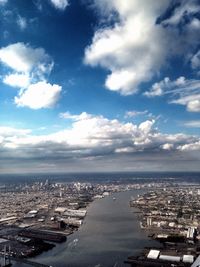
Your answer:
<point x="93" y="138"/>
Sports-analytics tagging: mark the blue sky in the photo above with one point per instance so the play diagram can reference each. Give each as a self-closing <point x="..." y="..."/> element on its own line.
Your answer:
<point x="99" y="85"/>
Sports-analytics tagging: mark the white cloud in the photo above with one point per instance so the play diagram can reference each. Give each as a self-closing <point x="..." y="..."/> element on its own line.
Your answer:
<point x="190" y="147"/>
<point x="195" y="60"/>
<point x="23" y="58"/>
<point x="121" y="81"/>
<point x="183" y="23"/>
<point x="167" y="146"/>
<point x="6" y="131"/>
<point x="192" y="124"/>
<point x="31" y="65"/>
<point x="22" y="23"/>
<point x="128" y="49"/>
<point x="60" y="4"/>
<point x="39" y="95"/>
<point x="190" y="100"/>
<point x="146" y="126"/>
<point x="193" y="105"/>
<point x="92" y="138"/>
<point x="68" y="115"/>
<point x="124" y="150"/>
<point x="183" y="9"/>
<point x="181" y="91"/>
<point x="195" y="24"/>
<point x="92" y="135"/>
<point x="157" y="88"/>
<point x="136" y="46"/>
<point x="91" y="131"/>
<point x="17" y="80"/>
<point x="134" y="113"/>
<point x="167" y="86"/>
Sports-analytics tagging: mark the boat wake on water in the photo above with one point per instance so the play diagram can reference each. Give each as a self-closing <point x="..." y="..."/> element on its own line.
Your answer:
<point x="73" y="244"/>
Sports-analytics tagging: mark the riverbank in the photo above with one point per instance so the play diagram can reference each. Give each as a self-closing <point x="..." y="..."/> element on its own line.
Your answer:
<point x="109" y="234"/>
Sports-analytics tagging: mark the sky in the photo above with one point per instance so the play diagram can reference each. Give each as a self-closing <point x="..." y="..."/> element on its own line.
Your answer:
<point x="99" y="85"/>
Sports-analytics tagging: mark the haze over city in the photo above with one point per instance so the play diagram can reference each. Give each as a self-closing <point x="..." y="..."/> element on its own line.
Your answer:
<point x="99" y="85"/>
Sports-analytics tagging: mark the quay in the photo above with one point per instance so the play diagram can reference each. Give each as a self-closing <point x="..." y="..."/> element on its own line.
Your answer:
<point x="33" y="263"/>
<point x="10" y="258"/>
<point x="44" y="235"/>
<point x="145" y="262"/>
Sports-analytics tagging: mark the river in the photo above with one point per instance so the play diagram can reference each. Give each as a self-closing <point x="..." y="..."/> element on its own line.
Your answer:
<point x="109" y="234"/>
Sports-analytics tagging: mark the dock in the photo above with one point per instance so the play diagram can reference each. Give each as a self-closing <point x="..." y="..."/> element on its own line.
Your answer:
<point x="22" y="260"/>
<point x="136" y="261"/>
<point x="33" y="263"/>
<point x="44" y="235"/>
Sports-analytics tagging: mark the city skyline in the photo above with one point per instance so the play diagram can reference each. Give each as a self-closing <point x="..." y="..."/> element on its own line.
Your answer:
<point x="99" y="85"/>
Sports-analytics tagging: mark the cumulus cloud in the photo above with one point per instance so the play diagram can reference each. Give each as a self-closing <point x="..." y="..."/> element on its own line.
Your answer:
<point x="180" y="91"/>
<point x="30" y="67"/>
<point x="60" y="4"/>
<point x="192" y="105"/>
<point x="39" y="95"/>
<point x="91" y="138"/>
<point x="195" y="60"/>
<point x="114" y="136"/>
<point x="128" y="48"/>
<point x="17" y="80"/>
<point x="189" y="147"/>
<point x="167" y="146"/>
<point x="23" y="58"/>
<point x="92" y="135"/>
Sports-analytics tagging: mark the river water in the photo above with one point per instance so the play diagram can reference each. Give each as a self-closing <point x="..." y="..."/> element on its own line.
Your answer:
<point x="109" y="234"/>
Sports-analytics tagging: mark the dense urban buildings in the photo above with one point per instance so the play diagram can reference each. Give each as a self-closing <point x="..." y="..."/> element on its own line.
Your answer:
<point x="37" y="215"/>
